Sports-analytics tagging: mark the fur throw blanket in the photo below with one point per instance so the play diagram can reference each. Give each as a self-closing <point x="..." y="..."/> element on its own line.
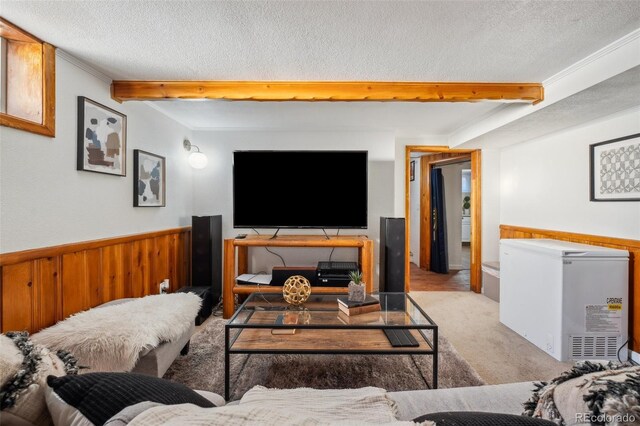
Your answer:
<point x="111" y="338"/>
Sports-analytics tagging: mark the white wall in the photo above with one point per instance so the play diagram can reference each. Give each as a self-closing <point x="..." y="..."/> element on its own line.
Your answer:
<point x="213" y="185"/>
<point x="545" y="182"/>
<point x="491" y="200"/>
<point x="452" y="175"/>
<point x="414" y="199"/>
<point x="45" y="201"/>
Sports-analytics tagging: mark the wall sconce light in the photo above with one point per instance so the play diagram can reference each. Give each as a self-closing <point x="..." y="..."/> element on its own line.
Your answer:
<point x="197" y="159"/>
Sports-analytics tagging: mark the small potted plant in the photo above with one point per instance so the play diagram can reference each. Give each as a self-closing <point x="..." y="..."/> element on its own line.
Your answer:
<point x="466" y="204"/>
<point x="357" y="291"/>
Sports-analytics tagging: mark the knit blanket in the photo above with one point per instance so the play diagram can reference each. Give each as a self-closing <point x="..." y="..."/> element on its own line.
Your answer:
<point x="111" y="338"/>
<point x="276" y="407"/>
<point x="589" y="393"/>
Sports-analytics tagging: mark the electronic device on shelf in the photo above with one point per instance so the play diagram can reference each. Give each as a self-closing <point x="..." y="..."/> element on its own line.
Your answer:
<point x="267" y="194"/>
<point x="335" y="274"/>
<point x="280" y="274"/>
<point x="254" y="279"/>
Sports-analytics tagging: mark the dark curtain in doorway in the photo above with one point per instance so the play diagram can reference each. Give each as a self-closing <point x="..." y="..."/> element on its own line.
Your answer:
<point x="439" y="253"/>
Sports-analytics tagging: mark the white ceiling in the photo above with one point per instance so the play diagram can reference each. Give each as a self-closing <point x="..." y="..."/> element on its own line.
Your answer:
<point x="319" y="40"/>
<point x="619" y="93"/>
<point x="402" y="118"/>
<point x="479" y="40"/>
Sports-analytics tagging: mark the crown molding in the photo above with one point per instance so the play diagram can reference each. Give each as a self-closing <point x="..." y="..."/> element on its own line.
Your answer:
<point x="153" y="104"/>
<point x="613" y="59"/>
<point x="621" y="42"/>
<point x="62" y="54"/>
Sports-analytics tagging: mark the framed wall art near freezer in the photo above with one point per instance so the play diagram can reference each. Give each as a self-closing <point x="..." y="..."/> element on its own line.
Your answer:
<point x="615" y="169"/>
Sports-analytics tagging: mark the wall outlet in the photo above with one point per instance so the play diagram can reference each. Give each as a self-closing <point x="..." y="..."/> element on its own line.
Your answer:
<point x="164" y="286"/>
<point x="549" y="343"/>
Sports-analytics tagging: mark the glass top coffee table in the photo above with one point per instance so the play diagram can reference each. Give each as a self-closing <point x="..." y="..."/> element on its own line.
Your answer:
<point x="266" y="324"/>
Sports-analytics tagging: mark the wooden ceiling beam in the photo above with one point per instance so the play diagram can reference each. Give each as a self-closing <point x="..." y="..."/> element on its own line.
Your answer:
<point x="126" y="90"/>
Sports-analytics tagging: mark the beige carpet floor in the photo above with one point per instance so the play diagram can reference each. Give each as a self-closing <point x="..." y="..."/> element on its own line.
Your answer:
<point x="471" y="323"/>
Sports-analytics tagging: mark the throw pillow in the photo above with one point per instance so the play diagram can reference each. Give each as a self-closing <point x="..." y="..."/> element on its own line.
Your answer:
<point x="24" y="367"/>
<point x="92" y="399"/>
<point x="473" y="418"/>
<point x="589" y="393"/>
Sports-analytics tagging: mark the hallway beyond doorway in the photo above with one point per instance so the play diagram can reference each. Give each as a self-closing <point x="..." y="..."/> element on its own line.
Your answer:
<point x="430" y="281"/>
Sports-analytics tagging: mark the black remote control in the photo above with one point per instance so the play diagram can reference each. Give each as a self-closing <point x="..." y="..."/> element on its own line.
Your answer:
<point x="241" y="236"/>
<point x="400" y="338"/>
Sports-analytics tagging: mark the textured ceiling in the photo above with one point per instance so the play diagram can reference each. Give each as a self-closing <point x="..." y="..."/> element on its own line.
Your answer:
<point x="616" y="94"/>
<point x="318" y="40"/>
<point x="403" y="118"/>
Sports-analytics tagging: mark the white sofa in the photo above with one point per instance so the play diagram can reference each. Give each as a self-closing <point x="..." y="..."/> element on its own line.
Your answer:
<point x="506" y="398"/>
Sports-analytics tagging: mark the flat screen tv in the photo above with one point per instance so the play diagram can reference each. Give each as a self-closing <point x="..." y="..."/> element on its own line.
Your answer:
<point x="300" y="189"/>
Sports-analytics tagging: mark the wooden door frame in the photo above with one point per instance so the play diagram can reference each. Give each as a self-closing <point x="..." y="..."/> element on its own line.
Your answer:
<point x="476" y="202"/>
<point x="427" y="163"/>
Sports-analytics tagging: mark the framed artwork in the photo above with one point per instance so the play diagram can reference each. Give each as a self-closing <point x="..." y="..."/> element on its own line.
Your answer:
<point x="412" y="171"/>
<point x="102" y="139"/>
<point x="149" y="172"/>
<point x="615" y="169"/>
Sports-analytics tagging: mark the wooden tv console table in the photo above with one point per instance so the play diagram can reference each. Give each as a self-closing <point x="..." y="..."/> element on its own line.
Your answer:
<point x="233" y="268"/>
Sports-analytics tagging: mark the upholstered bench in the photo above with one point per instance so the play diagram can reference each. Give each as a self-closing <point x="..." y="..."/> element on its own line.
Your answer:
<point x="156" y="361"/>
<point x="142" y="335"/>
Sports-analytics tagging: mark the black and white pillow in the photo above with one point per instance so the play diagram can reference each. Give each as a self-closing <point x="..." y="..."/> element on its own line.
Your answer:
<point x="24" y="367"/>
<point x="589" y="393"/>
<point x="92" y="399"/>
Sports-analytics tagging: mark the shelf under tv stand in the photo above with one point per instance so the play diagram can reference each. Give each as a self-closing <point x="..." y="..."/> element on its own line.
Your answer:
<point x="236" y="262"/>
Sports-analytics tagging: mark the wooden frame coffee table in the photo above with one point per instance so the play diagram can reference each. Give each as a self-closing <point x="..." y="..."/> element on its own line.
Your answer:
<point x="323" y="329"/>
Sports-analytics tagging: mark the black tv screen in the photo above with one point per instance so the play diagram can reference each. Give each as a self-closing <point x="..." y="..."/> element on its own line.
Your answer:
<point x="300" y="189"/>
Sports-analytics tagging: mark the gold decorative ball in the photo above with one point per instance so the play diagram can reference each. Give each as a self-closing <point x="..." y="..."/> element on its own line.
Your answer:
<point x="296" y="290"/>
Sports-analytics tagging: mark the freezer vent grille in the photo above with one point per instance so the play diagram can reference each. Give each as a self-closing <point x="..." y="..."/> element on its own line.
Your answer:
<point x="594" y="347"/>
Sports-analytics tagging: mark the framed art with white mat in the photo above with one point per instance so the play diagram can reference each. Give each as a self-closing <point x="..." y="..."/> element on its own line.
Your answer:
<point x="102" y="139"/>
<point x="615" y="169"/>
<point x="149" y="172"/>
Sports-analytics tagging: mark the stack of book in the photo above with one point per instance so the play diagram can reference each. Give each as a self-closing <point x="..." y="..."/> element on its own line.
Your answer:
<point x="350" y="307"/>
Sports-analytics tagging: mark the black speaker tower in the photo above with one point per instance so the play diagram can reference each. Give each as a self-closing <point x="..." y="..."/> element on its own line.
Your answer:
<point x="392" y="254"/>
<point x="206" y="254"/>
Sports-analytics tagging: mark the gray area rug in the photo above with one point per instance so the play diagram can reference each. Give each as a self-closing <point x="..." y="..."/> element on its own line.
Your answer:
<point x="203" y="368"/>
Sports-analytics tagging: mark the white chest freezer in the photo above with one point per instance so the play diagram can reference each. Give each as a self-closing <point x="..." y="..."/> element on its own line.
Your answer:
<point x="571" y="300"/>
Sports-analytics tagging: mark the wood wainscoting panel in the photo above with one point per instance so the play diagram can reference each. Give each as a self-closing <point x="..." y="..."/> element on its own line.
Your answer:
<point x="75" y="287"/>
<point x="46" y="290"/>
<point x="139" y="268"/>
<point x="17" y="297"/>
<point x="159" y="263"/>
<point x="632" y="246"/>
<point x="94" y="286"/>
<point x="42" y="286"/>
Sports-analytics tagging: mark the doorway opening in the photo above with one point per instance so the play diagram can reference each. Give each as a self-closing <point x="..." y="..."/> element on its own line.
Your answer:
<point x="442" y="205"/>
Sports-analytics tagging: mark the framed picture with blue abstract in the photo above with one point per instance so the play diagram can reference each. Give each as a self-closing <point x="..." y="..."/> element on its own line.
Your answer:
<point x="149" y="173"/>
<point x="102" y="139"/>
